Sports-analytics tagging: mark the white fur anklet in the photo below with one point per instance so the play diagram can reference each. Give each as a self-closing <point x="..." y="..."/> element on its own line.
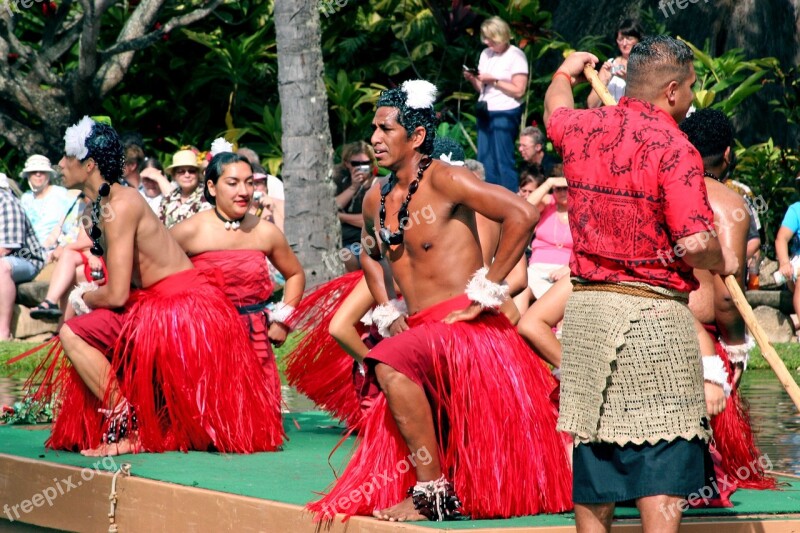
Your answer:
<point x="714" y="372"/>
<point x="488" y="294"/>
<point x="384" y="315"/>
<point x="739" y="353"/>
<point x="281" y="313"/>
<point x="76" y="297"/>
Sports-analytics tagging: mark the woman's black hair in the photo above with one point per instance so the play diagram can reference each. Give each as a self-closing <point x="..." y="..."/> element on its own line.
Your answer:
<point x="151" y="162"/>
<point x="630" y="28"/>
<point x="215" y="169"/>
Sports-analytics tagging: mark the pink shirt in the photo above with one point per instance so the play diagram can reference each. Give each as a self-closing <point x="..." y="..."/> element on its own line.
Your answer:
<point x="553" y="241"/>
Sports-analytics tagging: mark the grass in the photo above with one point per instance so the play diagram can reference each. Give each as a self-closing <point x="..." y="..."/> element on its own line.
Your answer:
<point x="788" y="352"/>
<point x="23" y="368"/>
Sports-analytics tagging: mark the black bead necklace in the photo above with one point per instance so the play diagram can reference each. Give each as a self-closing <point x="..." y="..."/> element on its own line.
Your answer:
<point x="396" y="238"/>
<point x="94" y="231"/>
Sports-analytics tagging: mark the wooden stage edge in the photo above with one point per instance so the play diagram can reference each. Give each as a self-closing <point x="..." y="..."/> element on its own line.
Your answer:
<point x="63" y="497"/>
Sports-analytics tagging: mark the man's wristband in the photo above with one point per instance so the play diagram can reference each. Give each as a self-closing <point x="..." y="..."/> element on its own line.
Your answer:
<point x="384" y="315"/>
<point x="281" y="314"/>
<point x="739" y="353"/>
<point x="714" y="372"/>
<point x="488" y="294"/>
<point x="562" y="73"/>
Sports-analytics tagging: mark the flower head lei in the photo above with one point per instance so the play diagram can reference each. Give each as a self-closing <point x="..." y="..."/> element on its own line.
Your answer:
<point x="75" y="138"/>
<point x="420" y="94"/>
<point x="220" y="145"/>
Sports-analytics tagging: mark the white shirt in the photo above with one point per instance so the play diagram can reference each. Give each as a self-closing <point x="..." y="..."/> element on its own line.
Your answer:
<point x="275" y="188"/>
<point x="501" y="67"/>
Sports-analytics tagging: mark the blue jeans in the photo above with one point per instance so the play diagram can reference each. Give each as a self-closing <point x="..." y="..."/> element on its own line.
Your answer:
<point x="497" y="137"/>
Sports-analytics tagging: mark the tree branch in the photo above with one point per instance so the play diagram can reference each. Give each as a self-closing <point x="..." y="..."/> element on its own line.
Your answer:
<point x="144" y="41"/>
<point x="117" y="59"/>
<point x="24" y="138"/>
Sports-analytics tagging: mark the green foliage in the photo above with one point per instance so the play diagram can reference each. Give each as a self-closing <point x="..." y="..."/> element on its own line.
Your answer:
<point x="789" y="102"/>
<point x="27" y="412"/>
<point x="769" y="170"/>
<point x="352" y="104"/>
<point x="725" y="81"/>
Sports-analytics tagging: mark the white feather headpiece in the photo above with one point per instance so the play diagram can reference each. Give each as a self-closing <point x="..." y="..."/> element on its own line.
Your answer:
<point x="420" y="93"/>
<point x="75" y="138"/>
<point x="220" y="145"/>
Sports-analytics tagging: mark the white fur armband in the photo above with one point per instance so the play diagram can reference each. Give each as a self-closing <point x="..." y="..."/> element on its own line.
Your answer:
<point x="739" y="353"/>
<point x="384" y="315"/>
<point x="487" y="293"/>
<point x="281" y="313"/>
<point x="76" y="297"/>
<point x="714" y="372"/>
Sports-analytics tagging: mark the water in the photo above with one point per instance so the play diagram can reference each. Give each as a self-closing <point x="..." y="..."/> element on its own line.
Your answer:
<point x="775" y="421"/>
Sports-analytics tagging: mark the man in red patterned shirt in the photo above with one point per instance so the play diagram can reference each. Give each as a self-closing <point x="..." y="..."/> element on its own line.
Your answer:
<point x="632" y="390"/>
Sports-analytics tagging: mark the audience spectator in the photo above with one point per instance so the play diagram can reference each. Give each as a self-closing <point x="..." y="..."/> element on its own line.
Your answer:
<point x="265" y="206"/>
<point x="552" y="245"/>
<point x="613" y="71"/>
<point x="156" y="185"/>
<point x="46" y="205"/>
<point x="187" y="197"/>
<point x="134" y="157"/>
<point x="21" y="255"/>
<point x="73" y="264"/>
<point x="275" y="200"/>
<point x="527" y="184"/>
<point x="502" y="80"/>
<point x="531" y="148"/>
<point x="353" y="178"/>
<point x="787" y="250"/>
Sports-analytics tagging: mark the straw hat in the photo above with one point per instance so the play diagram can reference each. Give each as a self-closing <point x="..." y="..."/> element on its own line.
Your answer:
<point x="37" y="163"/>
<point x="183" y="158"/>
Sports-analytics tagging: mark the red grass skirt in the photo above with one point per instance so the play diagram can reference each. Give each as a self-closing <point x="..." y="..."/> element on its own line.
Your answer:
<point x="496" y="426"/>
<point x="318" y="367"/>
<point x="184" y="362"/>
<point x="733" y="436"/>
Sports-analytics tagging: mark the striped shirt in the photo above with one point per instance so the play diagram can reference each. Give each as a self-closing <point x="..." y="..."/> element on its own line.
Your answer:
<point x="16" y="231"/>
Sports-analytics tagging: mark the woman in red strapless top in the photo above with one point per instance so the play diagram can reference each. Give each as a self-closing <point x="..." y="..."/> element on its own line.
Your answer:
<point x="233" y="247"/>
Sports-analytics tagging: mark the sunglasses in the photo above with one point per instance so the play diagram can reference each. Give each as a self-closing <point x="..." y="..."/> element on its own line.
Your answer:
<point x="185" y="171"/>
<point x="560" y="189"/>
<point x="355" y="162"/>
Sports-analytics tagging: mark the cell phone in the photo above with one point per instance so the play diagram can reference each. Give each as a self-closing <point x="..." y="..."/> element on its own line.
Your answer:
<point x="362" y="168"/>
<point x="470" y="70"/>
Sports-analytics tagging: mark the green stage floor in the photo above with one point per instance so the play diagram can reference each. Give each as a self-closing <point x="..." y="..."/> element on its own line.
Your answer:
<point x="297" y="474"/>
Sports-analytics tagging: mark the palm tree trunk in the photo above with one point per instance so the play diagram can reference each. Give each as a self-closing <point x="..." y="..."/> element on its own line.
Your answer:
<point x="311" y="224"/>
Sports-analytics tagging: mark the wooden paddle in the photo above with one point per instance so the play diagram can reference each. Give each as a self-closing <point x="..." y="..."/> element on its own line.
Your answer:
<point x="731" y="282"/>
<point x="769" y="353"/>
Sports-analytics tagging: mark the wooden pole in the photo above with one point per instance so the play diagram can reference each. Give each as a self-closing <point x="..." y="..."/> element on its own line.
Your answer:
<point x="769" y="353"/>
<point x="598" y="86"/>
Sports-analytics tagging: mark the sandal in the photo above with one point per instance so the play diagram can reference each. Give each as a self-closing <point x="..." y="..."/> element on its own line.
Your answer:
<point x="46" y="309"/>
